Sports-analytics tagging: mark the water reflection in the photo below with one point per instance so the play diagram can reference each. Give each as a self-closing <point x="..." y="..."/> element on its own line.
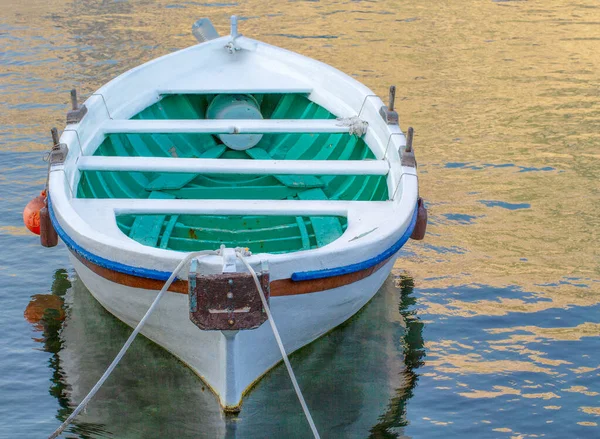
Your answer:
<point x="414" y="354"/>
<point x="47" y="313"/>
<point x="357" y="379"/>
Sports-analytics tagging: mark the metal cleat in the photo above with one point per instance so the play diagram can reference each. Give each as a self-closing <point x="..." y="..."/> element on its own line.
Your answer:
<point x="232" y="47"/>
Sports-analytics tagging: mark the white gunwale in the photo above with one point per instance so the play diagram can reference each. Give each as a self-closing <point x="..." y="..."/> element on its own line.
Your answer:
<point x="234" y="166"/>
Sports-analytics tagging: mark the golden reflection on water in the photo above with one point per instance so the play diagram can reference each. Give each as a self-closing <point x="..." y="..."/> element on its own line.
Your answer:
<point x="575" y="333"/>
<point x="503" y="96"/>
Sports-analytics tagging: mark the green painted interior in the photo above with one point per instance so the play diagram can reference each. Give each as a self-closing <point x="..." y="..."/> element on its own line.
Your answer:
<point x="259" y="233"/>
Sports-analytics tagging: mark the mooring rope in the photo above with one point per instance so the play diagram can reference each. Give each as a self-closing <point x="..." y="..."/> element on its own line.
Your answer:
<point x="142" y="322"/>
<point x="280" y="344"/>
<point x="135" y="332"/>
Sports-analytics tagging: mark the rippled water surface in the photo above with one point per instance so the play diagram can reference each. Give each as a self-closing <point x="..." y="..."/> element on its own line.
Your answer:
<point x="487" y="329"/>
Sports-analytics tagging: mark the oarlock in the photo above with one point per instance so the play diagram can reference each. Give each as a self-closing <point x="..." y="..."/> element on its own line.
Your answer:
<point x="388" y="113"/>
<point x="59" y="151"/>
<point x="77" y="111"/>
<point x="408" y="155"/>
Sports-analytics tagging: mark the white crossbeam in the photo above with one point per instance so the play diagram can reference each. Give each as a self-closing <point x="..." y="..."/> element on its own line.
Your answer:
<point x="125" y="206"/>
<point x="234" y="166"/>
<point x="226" y="126"/>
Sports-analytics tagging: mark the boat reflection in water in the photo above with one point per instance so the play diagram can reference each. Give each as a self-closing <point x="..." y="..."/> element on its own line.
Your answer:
<point x="357" y="380"/>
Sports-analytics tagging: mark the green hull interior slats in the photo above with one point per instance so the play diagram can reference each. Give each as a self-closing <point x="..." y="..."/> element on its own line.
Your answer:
<point x="182" y="146"/>
<point x="303" y="233"/>
<point x="234" y="193"/>
<point x="177" y="181"/>
<point x="260" y="233"/>
<point x="146" y="228"/>
<point x="164" y="239"/>
<point x="282" y="144"/>
<point x="141" y="148"/>
<point x="327" y="228"/>
<point x="282" y="107"/>
<point x="304" y="181"/>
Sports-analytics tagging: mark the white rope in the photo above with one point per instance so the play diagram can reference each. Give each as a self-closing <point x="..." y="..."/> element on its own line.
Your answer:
<point x="135" y="332"/>
<point x="280" y="344"/>
<point x="356" y="125"/>
<point x="142" y="322"/>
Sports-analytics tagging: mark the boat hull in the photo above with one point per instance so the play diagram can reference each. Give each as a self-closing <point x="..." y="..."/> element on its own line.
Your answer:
<point x="231" y="362"/>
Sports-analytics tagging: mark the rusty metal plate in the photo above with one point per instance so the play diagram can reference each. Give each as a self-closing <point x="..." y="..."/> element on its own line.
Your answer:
<point x="227" y="301"/>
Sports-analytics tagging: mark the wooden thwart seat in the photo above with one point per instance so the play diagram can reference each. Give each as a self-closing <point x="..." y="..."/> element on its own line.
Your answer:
<point x="226" y="126"/>
<point x="155" y="206"/>
<point x="235" y="166"/>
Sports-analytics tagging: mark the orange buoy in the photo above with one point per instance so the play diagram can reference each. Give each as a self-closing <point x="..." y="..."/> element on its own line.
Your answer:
<point x="31" y="213"/>
<point x="41" y="304"/>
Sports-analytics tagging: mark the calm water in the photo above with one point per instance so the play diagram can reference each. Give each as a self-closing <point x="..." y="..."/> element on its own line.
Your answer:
<point x="490" y="328"/>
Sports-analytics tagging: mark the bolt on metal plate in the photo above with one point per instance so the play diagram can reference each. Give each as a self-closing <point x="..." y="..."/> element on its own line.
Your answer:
<point x="227" y="301"/>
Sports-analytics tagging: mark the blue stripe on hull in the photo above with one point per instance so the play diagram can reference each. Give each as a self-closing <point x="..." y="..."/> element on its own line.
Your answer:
<point x="102" y="262"/>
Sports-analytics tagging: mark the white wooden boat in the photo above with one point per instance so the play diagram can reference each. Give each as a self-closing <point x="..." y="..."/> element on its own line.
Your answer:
<point x="233" y="143"/>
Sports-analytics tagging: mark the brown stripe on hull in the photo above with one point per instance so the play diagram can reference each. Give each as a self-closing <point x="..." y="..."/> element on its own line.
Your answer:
<point x="280" y="287"/>
<point x="288" y="287"/>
